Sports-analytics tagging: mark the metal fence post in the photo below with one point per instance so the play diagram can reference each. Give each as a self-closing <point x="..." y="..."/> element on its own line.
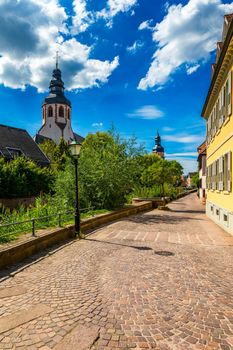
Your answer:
<point x="33" y="228"/>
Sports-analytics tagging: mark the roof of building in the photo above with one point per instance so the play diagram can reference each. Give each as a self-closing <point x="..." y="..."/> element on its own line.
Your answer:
<point x="40" y="138"/>
<point x="227" y="39"/>
<point x="18" y="140"/>
<point x="78" y="138"/>
<point x="56" y="88"/>
<point x="201" y="150"/>
<point x="158" y="148"/>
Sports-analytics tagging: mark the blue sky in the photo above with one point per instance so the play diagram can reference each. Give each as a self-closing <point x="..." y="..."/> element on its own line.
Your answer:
<point x="142" y="65"/>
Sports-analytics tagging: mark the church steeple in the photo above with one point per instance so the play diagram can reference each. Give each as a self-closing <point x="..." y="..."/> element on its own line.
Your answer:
<point x="56" y="110"/>
<point x="158" y="149"/>
<point x="56" y="86"/>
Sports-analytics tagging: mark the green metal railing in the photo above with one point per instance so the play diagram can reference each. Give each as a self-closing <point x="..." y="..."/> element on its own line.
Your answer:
<point x="34" y="224"/>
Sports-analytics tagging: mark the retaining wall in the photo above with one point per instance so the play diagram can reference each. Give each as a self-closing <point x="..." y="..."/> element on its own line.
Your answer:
<point x="22" y="250"/>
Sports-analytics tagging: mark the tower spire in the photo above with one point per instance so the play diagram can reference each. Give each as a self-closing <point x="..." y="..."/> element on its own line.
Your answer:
<point x="57" y="59"/>
<point x="158" y="149"/>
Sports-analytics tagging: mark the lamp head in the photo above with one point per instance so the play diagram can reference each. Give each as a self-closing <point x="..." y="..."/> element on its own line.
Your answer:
<point x="75" y="148"/>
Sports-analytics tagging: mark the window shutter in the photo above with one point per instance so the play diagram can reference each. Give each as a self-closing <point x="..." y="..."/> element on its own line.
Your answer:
<point x="223" y="105"/>
<point x="211" y="176"/>
<point x="208" y="128"/>
<point x="220" y="109"/>
<point x="214" y="176"/>
<point x="211" y="125"/>
<point x="221" y="173"/>
<point x="229" y="107"/>
<point x="215" y="121"/>
<point x="229" y="173"/>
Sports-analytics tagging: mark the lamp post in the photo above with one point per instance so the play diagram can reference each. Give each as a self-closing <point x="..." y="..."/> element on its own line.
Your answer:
<point x="75" y="148"/>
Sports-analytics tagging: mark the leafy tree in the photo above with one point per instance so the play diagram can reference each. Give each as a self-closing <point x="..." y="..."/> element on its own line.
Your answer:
<point x="160" y="171"/>
<point x="21" y="178"/>
<point x="57" y="154"/>
<point x="108" y="169"/>
<point x="195" y="180"/>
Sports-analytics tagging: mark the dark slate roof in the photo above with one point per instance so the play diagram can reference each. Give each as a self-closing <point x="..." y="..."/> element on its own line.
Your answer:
<point x="78" y="138"/>
<point x="40" y="139"/>
<point x="53" y="98"/>
<point x="56" y="89"/>
<point x="19" y="139"/>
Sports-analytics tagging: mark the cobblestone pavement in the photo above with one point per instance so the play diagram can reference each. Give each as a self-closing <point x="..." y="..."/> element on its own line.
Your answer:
<point x="160" y="280"/>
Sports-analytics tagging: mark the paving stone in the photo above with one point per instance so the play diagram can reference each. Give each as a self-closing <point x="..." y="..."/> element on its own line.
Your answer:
<point x="123" y="281"/>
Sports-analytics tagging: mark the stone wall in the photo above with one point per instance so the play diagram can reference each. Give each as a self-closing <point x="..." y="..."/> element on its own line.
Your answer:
<point x="14" y="203"/>
<point x="22" y="250"/>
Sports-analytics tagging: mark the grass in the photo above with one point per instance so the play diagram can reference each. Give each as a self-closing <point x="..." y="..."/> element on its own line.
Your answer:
<point x="39" y="212"/>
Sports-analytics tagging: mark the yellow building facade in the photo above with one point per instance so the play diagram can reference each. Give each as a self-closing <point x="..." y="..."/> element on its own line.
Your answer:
<point x="218" y="112"/>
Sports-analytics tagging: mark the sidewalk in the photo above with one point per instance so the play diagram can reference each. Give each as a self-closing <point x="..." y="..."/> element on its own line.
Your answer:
<point x="160" y="280"/>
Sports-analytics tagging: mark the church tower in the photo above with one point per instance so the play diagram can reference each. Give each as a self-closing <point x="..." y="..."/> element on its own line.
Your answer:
<point x="56" y="112"/>
<point x="158" y="149"/>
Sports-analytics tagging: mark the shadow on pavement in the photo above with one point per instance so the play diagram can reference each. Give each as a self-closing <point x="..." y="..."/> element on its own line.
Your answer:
<point x="122" y="245"/>
<point x="188" y="211"/>
<point x="156" y="219"/>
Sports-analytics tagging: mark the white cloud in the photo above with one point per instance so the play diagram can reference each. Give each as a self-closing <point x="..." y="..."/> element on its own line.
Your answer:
<point x="192" y="69"/>
<point x="167" y="128"/>
<point x="82" y="18"/>
<point x="137" y="45"/>
<point x="184" y="154"/>
<point x="186" y="35"/>
<point x="148" y="112"/>
<point x="114" y="7"/>
<point x="146" y="25"/>
<point x="30" y="33"/>
<point x="183" y="138"/>
<point x="188" y="164"/>
<point x="188" y="160"/>
<point x="97" y="125"/>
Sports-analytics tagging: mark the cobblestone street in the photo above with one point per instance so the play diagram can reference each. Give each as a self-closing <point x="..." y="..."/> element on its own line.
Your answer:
<point x="160" y="280"/>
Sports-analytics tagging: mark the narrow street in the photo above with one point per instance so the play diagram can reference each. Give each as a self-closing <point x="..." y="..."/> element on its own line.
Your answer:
<point x="160" y="280"/>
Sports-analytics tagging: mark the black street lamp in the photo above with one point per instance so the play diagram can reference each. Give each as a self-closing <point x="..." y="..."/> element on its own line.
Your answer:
<point x="75" y="148"/>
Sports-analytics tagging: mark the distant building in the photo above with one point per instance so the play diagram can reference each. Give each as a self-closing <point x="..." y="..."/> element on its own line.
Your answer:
<point x="183" y="180"/>
<point x="158" y="148"/>
<point x="16" y="142"/>
<point x="189" y="178"/>
<point x="56" y="113"/>
<point x="217" y="112"/>
<point x="202" y="171"/>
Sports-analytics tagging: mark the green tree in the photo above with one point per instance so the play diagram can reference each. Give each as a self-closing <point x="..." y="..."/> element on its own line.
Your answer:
<point x="195" y="180"/>
<point x="108" y="169"/>
<point x="57" y="154"/>
<point x="21" y="178"/>
<point x="161" y="172"/>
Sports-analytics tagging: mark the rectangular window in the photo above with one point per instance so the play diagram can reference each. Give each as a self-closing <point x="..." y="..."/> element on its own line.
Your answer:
<point x="229" y="171"/>
<point x="220" y="182"/>
<point x="214" y="176"/>
<point x="229" y="106"/>
<point x="217" y="174"/>
<point x="224" y="104"/>
<point x="225" y="171"/>
<point x="14" y="152"/>
<point x="217" y="114"/>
